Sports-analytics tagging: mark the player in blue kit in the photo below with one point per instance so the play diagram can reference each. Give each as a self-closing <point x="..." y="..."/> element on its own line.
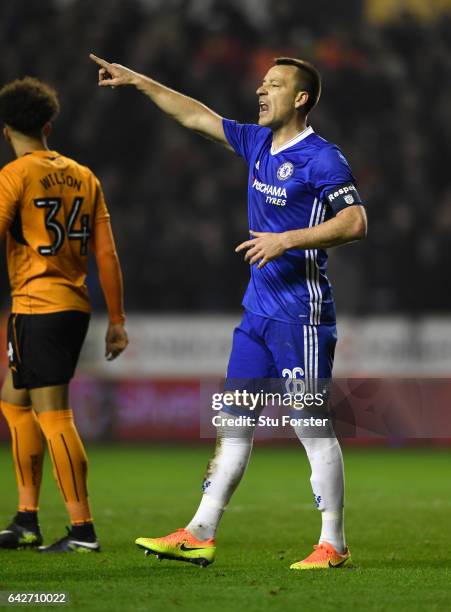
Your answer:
<point x="302" y="199"/>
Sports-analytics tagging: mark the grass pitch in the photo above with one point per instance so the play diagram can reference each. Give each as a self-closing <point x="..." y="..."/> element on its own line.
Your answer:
<point x="398" y="520"/>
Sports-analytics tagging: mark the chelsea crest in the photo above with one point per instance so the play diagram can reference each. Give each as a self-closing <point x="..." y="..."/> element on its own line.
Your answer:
<point x="285" y="171"/>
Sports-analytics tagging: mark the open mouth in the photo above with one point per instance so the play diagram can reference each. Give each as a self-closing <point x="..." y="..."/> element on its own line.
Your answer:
<point x="263" y="107"/>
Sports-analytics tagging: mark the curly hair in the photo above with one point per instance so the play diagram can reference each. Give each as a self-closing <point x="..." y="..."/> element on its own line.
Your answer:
<point x="27" y="104"/>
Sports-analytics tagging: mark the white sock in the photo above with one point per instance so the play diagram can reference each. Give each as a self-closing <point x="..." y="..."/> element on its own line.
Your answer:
<point x="224" y="473"/>
<point x="204" y="523"/>
<point x="327" y="480"/>
<point x="332" y="529"/>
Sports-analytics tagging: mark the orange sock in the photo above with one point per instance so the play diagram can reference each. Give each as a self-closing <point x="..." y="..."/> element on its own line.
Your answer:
<point x="28" y="453"/>
<point x="70" y="464"/>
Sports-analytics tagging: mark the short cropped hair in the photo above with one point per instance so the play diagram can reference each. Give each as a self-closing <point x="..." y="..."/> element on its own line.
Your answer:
<point x="309" y="80"/>
<point x="27" y="104"/>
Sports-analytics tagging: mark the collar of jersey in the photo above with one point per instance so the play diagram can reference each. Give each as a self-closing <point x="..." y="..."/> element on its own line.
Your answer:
<point x="43" y="153"/>
<point x="306" y="132"/>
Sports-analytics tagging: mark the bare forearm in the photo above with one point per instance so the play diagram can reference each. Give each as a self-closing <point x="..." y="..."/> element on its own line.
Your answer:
<point x="319" y="237"/>
<point x="332" y="233"/>
<point x="110" y="274"/>
<point x="348" y="225"/>
<point x="110" y="277"/>
<point x="183" y="109"/>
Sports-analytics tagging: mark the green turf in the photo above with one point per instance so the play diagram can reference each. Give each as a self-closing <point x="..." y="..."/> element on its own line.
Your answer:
<point x="398" y="523"/>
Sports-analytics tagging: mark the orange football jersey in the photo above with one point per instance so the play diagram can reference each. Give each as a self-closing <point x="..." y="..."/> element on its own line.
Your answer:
<point x="50" y="204"/>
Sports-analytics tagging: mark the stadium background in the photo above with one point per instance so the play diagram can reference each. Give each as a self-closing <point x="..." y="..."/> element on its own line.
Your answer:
<point x="178" y="202"/>
<point x="178" y="209"/>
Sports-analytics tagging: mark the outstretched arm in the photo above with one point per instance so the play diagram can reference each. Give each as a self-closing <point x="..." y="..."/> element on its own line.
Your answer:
<point x="188" y="112"/>
<point x="349" y="225"/>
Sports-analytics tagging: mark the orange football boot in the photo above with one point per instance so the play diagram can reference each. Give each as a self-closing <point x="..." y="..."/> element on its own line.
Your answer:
<point x="180" y="546"/>
<point x="324" y="556"/>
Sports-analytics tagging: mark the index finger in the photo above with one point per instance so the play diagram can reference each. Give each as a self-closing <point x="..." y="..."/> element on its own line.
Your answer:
<point x="99" y="60"/>
<point x="244" y="245"/>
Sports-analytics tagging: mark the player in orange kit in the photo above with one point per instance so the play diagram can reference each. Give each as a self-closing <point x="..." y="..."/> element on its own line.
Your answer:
<point x="52" y="212"/>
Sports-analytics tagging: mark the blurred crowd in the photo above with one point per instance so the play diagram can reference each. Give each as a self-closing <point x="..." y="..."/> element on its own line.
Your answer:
<point x="178" y="202"/>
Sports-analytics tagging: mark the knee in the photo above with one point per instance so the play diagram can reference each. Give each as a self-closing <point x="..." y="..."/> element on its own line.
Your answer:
<point x="317" y="446"/>
<point x="233" y="430"/>
<point x="15" y="414"/>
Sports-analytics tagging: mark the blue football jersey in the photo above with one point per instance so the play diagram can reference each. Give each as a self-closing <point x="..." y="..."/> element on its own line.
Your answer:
<point x="303" y="183"/>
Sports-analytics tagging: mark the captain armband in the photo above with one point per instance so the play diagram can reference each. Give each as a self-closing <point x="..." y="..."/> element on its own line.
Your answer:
<point x="343" y="196"/>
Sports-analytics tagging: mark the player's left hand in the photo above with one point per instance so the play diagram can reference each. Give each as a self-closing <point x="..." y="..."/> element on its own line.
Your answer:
<point x="264" y="247"/>
<point x="116" y="340"/>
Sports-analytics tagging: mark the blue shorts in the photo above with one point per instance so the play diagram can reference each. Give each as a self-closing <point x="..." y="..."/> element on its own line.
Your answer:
<point x="265" y="348"/>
